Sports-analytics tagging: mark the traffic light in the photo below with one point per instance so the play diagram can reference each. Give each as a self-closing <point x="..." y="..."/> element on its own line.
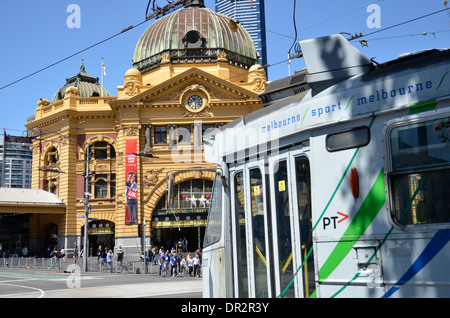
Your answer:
<point x="140" y="230"/>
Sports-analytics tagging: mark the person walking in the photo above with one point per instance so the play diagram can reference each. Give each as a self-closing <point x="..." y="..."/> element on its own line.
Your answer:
<point x="190" y="263"/>
<point x="161" y="261"/>
<point x="75" y="252"/>
<point x="104" y="257"/>
<point x="63" y="254"/>
<point x="197" y="265"/>
<point x="120" y="255"/>
<point x="174" y="265"/>
<point x="99" y="252"/>
<point x="109" y="259"/>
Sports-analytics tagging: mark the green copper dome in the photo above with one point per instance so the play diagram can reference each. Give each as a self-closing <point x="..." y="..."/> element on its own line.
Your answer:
<point x="194" y="34"/>
<point x="87" y="85"/>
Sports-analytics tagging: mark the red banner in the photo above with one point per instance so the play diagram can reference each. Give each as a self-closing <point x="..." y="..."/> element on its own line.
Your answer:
<point x="131" y="185"/>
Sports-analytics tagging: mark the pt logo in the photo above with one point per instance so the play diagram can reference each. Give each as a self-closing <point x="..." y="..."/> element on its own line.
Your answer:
<point x="331" y="221"/>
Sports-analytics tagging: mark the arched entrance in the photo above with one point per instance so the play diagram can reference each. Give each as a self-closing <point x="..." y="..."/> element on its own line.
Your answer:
<point x="186" y="219"/>
<point x="50" y="238"/>
<point x="101" y="232"/>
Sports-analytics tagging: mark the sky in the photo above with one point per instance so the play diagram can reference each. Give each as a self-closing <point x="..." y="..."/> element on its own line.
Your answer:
<point x="37" y="34"/>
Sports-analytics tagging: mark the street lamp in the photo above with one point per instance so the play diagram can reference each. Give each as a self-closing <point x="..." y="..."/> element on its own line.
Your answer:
<point x="87" y="194"/>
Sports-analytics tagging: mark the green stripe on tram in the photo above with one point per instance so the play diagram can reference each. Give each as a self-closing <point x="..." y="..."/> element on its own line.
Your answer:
<point x="370" y="208"/>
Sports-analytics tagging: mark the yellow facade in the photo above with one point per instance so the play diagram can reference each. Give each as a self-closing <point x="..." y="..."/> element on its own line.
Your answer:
<point x="146" y="106"/>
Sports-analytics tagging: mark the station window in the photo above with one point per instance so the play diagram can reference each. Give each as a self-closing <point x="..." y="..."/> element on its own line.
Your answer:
<point x="420" y="172"/>
<point x="347" y="139"/>
<point x="160" y="135"/>
<point x="103" y="150"/>
<point x="103" y="183"/>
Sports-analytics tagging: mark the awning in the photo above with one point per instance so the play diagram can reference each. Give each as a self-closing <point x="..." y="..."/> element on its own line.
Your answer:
<point x="14" y="200"/>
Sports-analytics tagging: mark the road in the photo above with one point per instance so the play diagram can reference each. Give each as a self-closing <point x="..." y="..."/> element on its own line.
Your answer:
<point x="28" y="283"/>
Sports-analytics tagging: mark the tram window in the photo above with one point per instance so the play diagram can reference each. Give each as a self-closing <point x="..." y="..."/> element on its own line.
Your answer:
<point x="347" y="139"/>
<point x="259" y="233"/>
<point x="420" y="176"/>
<point x="303" y="182"/>
<point x="214" y="228"/>
<point x="283" y="228"/>
<point x="241" y="237"/>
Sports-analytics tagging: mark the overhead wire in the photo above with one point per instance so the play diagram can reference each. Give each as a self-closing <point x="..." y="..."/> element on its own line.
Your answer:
<point x="140" y="23"/>
<point x="74" y="54"/>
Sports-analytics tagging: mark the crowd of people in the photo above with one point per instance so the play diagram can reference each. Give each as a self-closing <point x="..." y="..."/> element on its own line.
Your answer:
<point x="176" y="261"/>
<point x="176" y="264"/>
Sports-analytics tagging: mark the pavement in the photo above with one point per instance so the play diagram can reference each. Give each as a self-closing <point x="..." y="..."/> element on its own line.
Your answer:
<point x="40" y="283"/>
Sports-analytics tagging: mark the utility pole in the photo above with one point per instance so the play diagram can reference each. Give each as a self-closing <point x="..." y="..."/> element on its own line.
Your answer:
<point x="87" y="195"/>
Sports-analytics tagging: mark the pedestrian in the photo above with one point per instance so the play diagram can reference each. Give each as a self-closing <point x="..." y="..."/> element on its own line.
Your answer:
<point x="185" y="243"/>
<point x="180" y="245"/>
<point x="25" y="252"/>
<point x="63" y="254"/>
<point x="150" y="255"/>
<point x="145" y="260"/>
<point x="104" y="256"/>
<point x="173" y="265"/>
<point x="183" y="266"/>
<point x="154" y="255"/>
<point x="75" y="252"/>
<point x="166" y="261"/>
<point x="109" y="259"/>
<point x="99" y="252"/>
<point x="161" y="265"/>
<point x="179" y="258"/>
<point x="197" y="265"/>
<point x="54" y="257"/>
<point x="120" y="255"/>
<point x="190" y="262"/>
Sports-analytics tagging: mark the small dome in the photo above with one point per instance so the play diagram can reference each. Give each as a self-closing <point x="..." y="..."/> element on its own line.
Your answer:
<point x="133" y="72"/>
<point x="194" y="34"/>
<point x="87" y="85"/>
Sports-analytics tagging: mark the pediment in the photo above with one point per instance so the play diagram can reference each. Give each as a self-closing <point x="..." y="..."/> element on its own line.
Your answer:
<point x="170" y="93"/>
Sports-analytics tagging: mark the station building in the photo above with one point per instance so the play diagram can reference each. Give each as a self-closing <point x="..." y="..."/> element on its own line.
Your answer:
<point x="192" y="71"/>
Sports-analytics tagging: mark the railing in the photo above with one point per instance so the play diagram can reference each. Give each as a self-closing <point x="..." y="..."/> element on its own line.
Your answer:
<point x="31" y="262"/>
<point x="130" y="267"/>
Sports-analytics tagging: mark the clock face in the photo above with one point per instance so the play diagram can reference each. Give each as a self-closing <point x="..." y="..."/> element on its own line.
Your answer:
<point x="195" y="102"/>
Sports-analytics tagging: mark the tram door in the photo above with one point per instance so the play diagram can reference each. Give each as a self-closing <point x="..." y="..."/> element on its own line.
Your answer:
<point x="291" y="224"/>
<point x="250" y="230"/>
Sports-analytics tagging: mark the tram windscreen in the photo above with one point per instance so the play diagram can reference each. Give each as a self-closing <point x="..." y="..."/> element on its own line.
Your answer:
<point x="214" y="228"/>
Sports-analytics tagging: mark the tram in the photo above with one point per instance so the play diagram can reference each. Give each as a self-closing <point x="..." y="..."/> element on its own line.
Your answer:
<point x="341" y="190"/>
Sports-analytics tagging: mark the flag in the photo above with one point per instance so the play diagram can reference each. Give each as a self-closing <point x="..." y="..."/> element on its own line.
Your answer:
<point x="103" y="68"/>
<point x="251" y="3"/>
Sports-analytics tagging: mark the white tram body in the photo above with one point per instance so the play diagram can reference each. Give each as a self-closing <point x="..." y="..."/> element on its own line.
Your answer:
<point x="342" y="190"/>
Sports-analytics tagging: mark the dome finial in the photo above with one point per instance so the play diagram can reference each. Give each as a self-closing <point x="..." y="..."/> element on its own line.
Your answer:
<point x="194" y="3"/>
<point x="82" y="68"/>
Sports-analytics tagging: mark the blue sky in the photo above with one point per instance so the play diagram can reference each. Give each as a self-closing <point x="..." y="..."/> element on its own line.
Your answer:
<point x="34" y="35"/>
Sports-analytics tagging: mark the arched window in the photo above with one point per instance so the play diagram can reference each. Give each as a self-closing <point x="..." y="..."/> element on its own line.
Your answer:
<point x="104" y="185"/>
<point x="50" y="170"/>
<point x="103" y="150"/>
<point x="103" y="182"/>
<point x="51" y="157"/>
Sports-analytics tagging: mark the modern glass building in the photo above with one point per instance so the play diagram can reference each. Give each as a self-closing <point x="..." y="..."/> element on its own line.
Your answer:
<point x="251" y="16"/>
<point x="15" y="161"/>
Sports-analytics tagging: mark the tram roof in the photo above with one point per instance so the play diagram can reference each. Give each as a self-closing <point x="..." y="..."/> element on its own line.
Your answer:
<point x="382" y="87"/>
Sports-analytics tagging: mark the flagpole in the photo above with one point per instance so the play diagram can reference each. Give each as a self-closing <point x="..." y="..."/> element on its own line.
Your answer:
<point x="102" y="78"/>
